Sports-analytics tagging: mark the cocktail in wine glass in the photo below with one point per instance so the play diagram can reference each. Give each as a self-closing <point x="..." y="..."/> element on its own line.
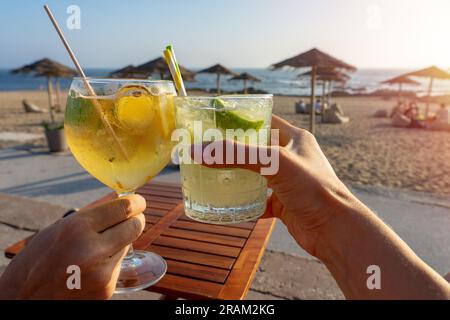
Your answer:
<point x="122" y="136"/>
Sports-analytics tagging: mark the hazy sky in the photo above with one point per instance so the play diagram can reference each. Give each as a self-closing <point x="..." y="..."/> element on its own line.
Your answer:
<point x="237" y="33"/>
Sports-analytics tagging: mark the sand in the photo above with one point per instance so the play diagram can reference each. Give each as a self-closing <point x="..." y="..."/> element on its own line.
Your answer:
<point x="366" y="151"/>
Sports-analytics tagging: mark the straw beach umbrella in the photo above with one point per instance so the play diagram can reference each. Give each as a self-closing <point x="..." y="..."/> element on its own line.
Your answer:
<point x="431" y="73"/>
<point x="327" y="76"/>
<point x="127" y="72"/>
<point x="401" y="80"/>
<point x="314" y="59"/>
<point x="50" y="69"/>
<point x="245" y="77"/>
<point x="217" y="69"/>
<point x="160" y="67"/>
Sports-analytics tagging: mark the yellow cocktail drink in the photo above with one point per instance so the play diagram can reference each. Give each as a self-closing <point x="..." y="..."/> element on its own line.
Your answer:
<point x="122" y="136"/>
<point x="142" y="122"/>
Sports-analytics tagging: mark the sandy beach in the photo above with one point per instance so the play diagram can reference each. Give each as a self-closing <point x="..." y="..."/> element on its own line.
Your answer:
<point x="365" y="152"/>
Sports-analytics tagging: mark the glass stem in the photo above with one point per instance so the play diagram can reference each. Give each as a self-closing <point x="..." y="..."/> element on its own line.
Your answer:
<point x="130" y="253"/>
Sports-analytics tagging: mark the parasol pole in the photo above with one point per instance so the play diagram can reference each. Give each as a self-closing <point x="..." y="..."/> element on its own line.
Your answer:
<point x="58" y="94"/>
<point x="430" y="88"/>
<point x="50" y="99"/>
<point x="312" y="115"/>
<point x="330" y="84"/>
<point x="322" y="106"/>
<point x="218" y="82"/>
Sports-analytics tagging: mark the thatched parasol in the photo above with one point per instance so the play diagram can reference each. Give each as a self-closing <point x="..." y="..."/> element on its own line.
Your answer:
<point x="159" y="66"/>
<point x="431" y="73"/>
<point x="245" y="77"/>
<point x="50" y="69"/>
<point x="219" y="70"/>
<point x="127" y="72"/>
<point x="315" y="59"/>
<point x="401" y="80"/>
<point x="327" y="76"/>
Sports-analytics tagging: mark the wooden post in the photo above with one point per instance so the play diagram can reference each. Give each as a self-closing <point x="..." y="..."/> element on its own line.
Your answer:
<point x="322" y="106"/>
<point x="430" y="88"/>
<point x="58" y="95"/>
<point x="329" y="92"/>
<point x="218" y="83"/>
<point x="312" y="115"/>
<point x="50" y="99"/>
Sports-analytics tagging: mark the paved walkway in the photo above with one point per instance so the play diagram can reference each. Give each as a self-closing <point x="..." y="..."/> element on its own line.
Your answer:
<point x="421" y="220"/>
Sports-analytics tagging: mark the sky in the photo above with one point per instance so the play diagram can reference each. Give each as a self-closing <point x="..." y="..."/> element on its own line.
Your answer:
<point x="236" y="33"/>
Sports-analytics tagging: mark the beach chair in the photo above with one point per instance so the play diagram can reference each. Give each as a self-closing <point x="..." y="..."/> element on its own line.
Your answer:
<point x="382" y="113"/>
<point x="57" y="108"/>
<point x="439" y="126"/>
<point x="30" y="107"/>
<point x="308" y="109"/>
<point x="335" y="115"/>
<point x="441" y="121"/>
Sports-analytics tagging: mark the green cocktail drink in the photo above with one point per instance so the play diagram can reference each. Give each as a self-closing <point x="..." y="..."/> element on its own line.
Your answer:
<point x="223" y="196"/>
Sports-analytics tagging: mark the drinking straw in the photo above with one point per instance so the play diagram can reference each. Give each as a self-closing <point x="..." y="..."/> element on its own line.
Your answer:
<point x="88" y="86"/>
<point x="169" y="55"/>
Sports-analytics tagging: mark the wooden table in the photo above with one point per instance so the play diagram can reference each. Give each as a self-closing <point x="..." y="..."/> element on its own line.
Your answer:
<point x="204" y="261"/>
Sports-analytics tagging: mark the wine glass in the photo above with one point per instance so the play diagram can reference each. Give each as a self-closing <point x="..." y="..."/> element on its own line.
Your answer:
<point x="122" y="136"/>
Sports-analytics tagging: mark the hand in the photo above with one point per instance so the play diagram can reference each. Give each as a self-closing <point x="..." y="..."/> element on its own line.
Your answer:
<point x="325" y="219"/>
<point x="306" y="190"/>
<point x="96" y="239"/>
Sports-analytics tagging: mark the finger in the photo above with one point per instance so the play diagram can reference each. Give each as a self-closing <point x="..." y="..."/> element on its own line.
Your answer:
<point x="109" y="214"/>
<point x="100" y="201"/>
<point x="231" y="154"/>
<point x="114" y="264"/>
<point x="123" y="234"/>
<point x="285" y="129"/>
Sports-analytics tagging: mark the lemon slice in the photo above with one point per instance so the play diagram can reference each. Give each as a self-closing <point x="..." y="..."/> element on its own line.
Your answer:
<point x="164" y="114"/>
<point x="135" y="108"/>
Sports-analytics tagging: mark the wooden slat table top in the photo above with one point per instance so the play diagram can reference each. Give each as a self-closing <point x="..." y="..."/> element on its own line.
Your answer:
<point x="204" y="261"/>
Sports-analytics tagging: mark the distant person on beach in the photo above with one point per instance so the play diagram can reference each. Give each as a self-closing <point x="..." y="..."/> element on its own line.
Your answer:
<point x="412" y="112"/>
<point x="318" y="106"/>
<point x="398" y="109"/>
<point x="300" y="106"/>
<point x="320" y="212"/>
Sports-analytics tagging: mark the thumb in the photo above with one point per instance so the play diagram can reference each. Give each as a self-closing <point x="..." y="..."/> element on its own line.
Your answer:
<point x="232" y="154"/>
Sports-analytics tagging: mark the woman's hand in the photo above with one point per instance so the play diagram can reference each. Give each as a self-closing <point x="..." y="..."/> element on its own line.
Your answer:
<point x="94" y="239"/>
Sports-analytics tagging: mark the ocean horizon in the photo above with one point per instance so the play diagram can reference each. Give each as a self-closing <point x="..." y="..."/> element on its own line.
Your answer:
<point x="282" y="82"/>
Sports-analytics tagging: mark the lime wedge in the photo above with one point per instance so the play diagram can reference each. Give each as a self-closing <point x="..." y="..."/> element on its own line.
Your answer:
<point x="227" y="119"/>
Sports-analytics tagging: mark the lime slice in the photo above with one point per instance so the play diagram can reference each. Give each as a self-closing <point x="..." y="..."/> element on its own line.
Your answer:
<point x="227" y="119"/>
<point x="135" y="108"/>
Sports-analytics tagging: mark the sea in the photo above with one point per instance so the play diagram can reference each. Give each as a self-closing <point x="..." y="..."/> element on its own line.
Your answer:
<point x="280" y="82"/>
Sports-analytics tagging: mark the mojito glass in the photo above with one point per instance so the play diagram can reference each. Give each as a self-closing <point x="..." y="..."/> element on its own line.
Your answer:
<point x="223" y="196"/>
